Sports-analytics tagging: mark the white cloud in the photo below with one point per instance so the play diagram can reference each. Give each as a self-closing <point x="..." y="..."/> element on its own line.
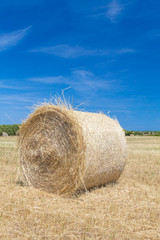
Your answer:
<point x="124" y="50"/>
<point x="65" y="51"/>
<point x="6" y="3"/>
<point x="16" y="98"/>
<point x="154" y="33"/>
<point x="111" y="11"/>
<point x="80" y="80"/>
<point x="114" y="9"/>
<point x="84" y="81"/>
<point x="11" y="39"/>
<point x="49" y="80"/>
<point x="14" y="87"/>
<point x="71" y="52"/>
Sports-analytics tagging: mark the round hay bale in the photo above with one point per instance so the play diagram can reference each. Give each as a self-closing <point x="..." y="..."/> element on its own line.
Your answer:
<point x="62" y="150"/>
<point x="4" y="134"/>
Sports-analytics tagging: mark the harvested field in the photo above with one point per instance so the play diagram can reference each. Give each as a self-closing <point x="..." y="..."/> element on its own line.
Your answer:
<point x="128" y="209"/>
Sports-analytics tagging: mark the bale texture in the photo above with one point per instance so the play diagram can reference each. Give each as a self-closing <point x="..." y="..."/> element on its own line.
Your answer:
<point x="62" y="150"/>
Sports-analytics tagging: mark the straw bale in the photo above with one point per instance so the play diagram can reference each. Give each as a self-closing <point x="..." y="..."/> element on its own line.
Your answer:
<point x="62" y="150"/>
<point x="4" y="134"/>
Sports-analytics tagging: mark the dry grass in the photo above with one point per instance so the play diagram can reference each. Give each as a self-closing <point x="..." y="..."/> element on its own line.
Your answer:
<point x="128" y="209"/>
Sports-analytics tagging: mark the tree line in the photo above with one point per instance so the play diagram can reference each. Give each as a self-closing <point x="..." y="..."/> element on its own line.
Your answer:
<point x="11" y="130"/>
<point x="142" y="133"/>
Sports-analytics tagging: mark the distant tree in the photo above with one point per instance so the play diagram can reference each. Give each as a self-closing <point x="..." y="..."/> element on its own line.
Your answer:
<point x="11" y="130"/>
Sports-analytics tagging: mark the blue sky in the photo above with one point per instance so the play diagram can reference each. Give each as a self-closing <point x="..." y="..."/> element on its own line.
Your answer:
<point x="106" y="52"/>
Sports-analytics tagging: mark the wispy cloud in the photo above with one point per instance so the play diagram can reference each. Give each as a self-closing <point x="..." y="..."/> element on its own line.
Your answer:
<point x="16" y="98"/>
<point x="65" y="51"/>
<point x="17" y="86"/>
<point x="49" y="80"/>
<point x="155" y="33"/>
<point x="111" y="11"/>
<point x="124" y="50"/>
<point x="71" y="52"/>
<point x="20" y="2"/>
<point x="83" y="81"/>
<point x="80" y="80"/>
<point x="11" y="39"/>
<point x="114" y="9"/>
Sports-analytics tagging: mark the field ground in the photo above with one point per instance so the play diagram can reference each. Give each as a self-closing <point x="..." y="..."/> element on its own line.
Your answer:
<point x="128" y="209"/>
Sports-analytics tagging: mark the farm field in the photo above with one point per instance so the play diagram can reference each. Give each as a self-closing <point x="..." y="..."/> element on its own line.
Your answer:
<point x="128" y="209"/>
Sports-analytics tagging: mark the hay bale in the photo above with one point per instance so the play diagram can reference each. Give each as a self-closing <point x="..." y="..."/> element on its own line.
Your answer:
<point x="63" y="150"/>
<point x="4" y="134"/>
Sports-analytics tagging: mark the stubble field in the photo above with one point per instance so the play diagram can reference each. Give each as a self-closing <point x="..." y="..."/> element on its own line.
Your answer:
<point x="128" y="209"/>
